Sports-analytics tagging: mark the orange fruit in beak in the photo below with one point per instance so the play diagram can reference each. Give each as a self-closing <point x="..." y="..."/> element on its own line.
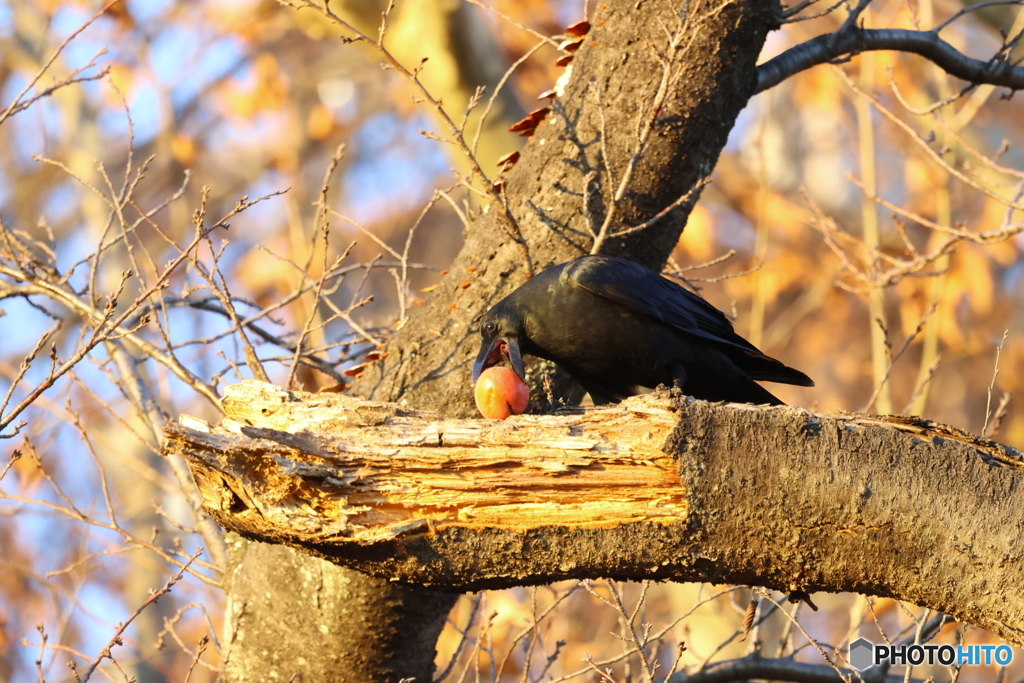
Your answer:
<point x="500" y="393"/>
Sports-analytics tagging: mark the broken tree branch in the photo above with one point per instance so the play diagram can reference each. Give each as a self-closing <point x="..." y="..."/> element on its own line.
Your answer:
<point x="660" y="487"/>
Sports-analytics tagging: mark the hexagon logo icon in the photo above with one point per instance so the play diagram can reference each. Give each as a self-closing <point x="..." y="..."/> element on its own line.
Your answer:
<point x="861" y="654"/>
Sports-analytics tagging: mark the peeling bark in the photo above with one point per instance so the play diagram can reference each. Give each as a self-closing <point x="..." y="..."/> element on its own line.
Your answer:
<point x="660" y="487"/>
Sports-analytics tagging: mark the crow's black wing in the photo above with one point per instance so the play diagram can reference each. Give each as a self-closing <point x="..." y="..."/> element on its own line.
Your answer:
<point x="640" y="289"/>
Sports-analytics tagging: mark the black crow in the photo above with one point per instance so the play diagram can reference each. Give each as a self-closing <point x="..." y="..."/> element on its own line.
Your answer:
<point x="614" y="326"/>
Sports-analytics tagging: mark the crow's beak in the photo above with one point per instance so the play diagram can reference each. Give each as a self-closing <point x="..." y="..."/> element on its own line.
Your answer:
<point x="498" y="350"/>
<point x="515" y="357"/>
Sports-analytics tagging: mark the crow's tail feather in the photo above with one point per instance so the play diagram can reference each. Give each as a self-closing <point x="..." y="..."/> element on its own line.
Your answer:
<point x="766" y="369"/>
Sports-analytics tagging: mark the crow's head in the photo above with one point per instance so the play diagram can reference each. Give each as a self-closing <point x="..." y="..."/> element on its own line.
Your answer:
<point x="501" y="329"/>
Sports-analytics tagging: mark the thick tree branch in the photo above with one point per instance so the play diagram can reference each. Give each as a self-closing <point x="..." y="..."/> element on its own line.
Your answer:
<point x="656" y="487"/>
<point x="851" y="40"/>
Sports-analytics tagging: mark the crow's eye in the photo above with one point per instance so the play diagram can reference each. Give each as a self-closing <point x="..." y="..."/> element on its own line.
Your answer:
<point x="490" y="328"/>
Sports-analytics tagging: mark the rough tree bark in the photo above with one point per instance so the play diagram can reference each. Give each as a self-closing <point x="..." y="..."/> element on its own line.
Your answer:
<point x="615" y="77"/>
<point x="283" y="606"/>
<point x="659" y="487"/>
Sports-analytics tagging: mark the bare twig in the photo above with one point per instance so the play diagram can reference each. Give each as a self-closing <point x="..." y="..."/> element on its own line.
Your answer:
<point x="892" y="360"/>
<point x="17" y="105"/>
<point x="498" y="88"/>
<point x="107" y="325"/>
<point x="506" y="219"/>
<point x="71" y="511"/>
<point x="671" y="72"/>
<point x="973" y="8"/>
<point x="923" y="384"/>
<point x="117" y="638"/>
<point x="463" y="637"/>
<point x="992" y="384"/>
<point x="196" y="659"/>
<point x="656" y="636"/>
<point x="639" y="644"/>
<point x="322" y="225"/>
<point x="522" y="27"/>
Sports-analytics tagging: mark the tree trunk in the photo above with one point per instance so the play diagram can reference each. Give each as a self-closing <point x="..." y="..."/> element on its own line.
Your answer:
<point x="328" y="623"/>
<point x="658" y="487"/>
<point x="612" y="92"/>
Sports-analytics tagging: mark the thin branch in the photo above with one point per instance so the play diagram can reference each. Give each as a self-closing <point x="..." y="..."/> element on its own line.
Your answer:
<point x="497" y="90"/>
<point x="26" y="363"/>
<point x="533" y="625"/>
<point x="783" y="669"/>
<point x="967" y="10"/>
<point x="791" y="14"/>
<point x="639" y="644"/>
<point x="464" y="637"/>
<point x="852" y="40"/>
<point x="117" y="638"/>
<point x="72" y="512"/>
<point x="17" y="105"/>
<point x="895" y="357"/>
<point x="923" y="384"/>
<point x="505" y="217"/>
<point x="932" y="107"/>
<point x="698" y="186"/>
<point x="141" y="396"/>
<point x="219" y="284"/>
<point x="656" y="637"/>
<point x="646" y="123"/>
<point x="522" y="27"/>
<point x="992" y="384"/>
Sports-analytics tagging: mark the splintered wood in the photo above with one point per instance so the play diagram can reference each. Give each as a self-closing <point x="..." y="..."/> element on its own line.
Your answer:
<point x="328" y="468"/>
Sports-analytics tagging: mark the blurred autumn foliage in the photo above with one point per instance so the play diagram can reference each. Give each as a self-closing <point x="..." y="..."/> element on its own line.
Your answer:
<point x="872" y="240"/>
